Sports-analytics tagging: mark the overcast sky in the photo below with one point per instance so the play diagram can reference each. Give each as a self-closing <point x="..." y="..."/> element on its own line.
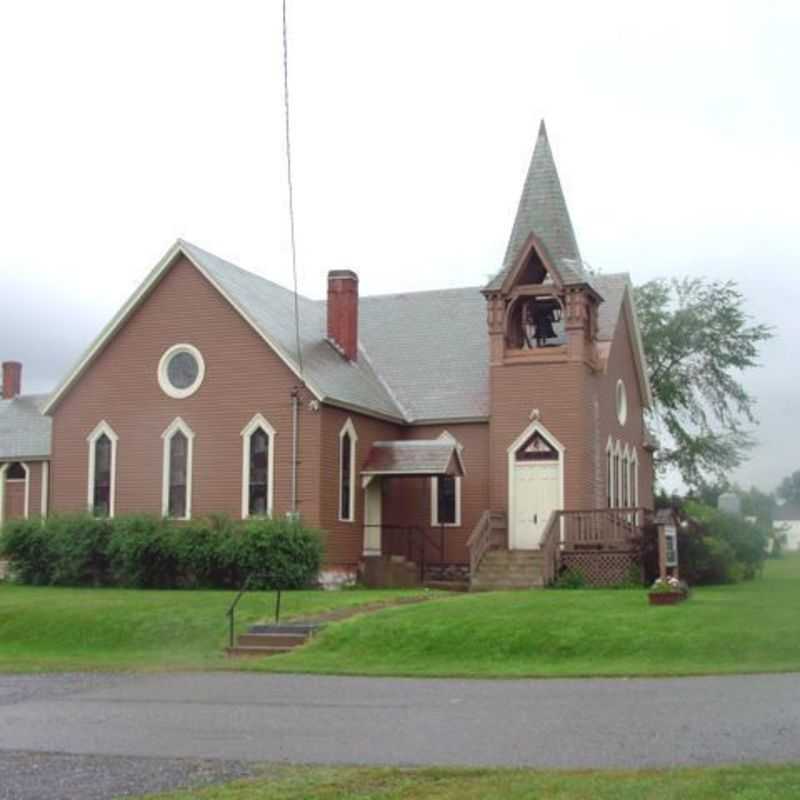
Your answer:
<point x="125" y="125"/>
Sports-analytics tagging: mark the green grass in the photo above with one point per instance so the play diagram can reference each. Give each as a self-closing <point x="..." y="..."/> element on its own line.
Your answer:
<point x="748" y="627"/>
<point x="49" y="629"/>
<point x="302" y="783"/>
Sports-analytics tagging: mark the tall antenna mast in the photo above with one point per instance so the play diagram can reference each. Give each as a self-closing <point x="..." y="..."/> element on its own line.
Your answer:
<point x="291" y="190"/>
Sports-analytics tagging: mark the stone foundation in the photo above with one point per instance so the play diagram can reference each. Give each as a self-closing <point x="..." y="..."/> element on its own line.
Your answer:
<point x="457" y="573"/>
<point x="337" y="578"/>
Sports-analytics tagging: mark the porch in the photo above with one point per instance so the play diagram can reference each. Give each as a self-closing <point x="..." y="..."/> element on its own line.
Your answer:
<point x="404" y="542"/>
<point x="602" y="544"/>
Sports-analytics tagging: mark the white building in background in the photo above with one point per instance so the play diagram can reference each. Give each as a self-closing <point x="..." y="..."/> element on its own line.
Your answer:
<point x="787" y="516"/>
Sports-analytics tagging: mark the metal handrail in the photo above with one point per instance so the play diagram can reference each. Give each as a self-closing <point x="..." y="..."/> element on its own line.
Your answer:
<point x="231" y="612"/>
<point x="417" y="536"/>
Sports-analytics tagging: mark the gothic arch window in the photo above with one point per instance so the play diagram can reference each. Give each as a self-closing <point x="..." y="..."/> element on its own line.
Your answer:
<point x="176" y="490"/>
<point x="347" y="472"/>
<point x="16" y="472"/>
<point x="258" y="468"/>
<point x="536" y="448"/>
<point x="102" y="479"/>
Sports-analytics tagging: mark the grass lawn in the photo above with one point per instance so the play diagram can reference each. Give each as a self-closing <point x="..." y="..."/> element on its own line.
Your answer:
<point x="748" y="627"/>
<point x="108" y="629"/>
<point x="301" y="783"/>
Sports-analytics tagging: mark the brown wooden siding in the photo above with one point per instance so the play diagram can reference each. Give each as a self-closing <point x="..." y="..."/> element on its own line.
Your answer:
<point x="345" y="540"/>
<point x="243" y="377"/>
<point x="559" y="391"/>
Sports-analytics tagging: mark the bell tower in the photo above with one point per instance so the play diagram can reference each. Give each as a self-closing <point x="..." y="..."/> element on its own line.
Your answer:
<point x="541" y="305"/>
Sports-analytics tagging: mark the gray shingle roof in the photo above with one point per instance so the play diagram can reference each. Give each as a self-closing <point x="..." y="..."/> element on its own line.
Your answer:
<point x="423" y="356"/>
<point x="416" y="457"/>
<point x="24" y="430"/>
<point x="271" y="308"/>
<point x="543" y="211"/>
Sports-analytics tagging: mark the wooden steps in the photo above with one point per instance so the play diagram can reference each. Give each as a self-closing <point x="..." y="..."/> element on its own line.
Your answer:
<point x="508" y="569"/>
<point x="270" y="640"/>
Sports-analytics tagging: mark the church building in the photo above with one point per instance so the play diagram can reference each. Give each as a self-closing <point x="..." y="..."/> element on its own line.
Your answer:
<point x="490" y="435"/>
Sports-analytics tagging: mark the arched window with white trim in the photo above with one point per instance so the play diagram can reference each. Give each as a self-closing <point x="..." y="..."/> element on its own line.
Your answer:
<point x="102" y="479"/>
<point x="347" y="472"/>
<point x="610" y="472"/>
<point x="176" y="490"/>
<point x="446" y="495"/>
<point x="258" y="460"/>
<point x="617" y="475"/>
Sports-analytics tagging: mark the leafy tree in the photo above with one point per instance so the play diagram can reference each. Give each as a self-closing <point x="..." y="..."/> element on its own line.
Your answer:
<point x="789" y="489"/>
<point x="697" y="339"/>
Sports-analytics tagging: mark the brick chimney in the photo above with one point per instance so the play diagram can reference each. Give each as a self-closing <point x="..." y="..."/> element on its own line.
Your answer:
<point x="12" y="379"/>
<point x="343" y="311"/>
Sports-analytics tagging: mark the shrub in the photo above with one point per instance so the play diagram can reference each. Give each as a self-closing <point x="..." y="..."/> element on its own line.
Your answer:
<point x="143" y="552"/>
<point x="25" y="543"/>
<point x="570" y="579"/>
<point x="79" y="550"/>
<point x="281" y="553"/>
<point x="147" y="552"/>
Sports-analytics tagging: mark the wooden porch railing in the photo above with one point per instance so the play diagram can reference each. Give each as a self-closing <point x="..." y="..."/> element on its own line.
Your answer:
<point x="601" y="528"/>
<point x="593" y="529"/>
<point x="550" y="546"/>
<point x="484" y="536"/>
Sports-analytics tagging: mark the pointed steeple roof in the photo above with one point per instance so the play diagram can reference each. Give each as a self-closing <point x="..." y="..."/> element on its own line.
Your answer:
<point x="543" y="211"/>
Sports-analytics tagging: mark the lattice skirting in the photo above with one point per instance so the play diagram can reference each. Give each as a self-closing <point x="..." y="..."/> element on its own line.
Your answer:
<point x="602" y="567"/>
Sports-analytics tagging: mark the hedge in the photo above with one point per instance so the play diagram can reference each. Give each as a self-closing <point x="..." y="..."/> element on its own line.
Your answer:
<point x="148" y="552"/>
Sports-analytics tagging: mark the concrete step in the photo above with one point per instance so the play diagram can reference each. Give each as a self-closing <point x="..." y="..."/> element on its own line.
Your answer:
<point x="256" y="652"/>
<point x="272" y="640"/>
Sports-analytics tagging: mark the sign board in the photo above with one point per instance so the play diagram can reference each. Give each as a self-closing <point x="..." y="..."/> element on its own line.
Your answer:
<point x="671" y="541"/>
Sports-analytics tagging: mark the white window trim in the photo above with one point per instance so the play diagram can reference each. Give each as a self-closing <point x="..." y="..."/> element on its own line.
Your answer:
<point x="102" y="428"/>
<point x="621" y="408"/>
<point x="534" y="427"/>
<point x="610" y="478"/>
<point x="626" y="478"/>
<point x="348" y="428"/>
<point x="634" y="462"/>
<point x="446" y="436"/>
<point x="45" y="488"/>
<point x="258" y="421"/>
<point x="618" y="475"/>
<point x="3" y="482"/>
<point x="163" y="377"/>
<point x="177" y="425"/>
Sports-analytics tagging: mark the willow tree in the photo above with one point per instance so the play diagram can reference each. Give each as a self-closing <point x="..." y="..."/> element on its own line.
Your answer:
<point x="698" y="340"/>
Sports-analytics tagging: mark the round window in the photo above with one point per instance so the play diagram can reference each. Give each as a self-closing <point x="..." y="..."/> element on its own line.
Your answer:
<point x="181" y="371"/>
<point x="622" y="403"/>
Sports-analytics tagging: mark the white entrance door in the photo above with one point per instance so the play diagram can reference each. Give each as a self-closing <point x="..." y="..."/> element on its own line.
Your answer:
<point x="536" y="493"/>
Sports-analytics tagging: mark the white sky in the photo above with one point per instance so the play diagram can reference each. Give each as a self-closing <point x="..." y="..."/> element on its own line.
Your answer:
<point x="124" y="125"/>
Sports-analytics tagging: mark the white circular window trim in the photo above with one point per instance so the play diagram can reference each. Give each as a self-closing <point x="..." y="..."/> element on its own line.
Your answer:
<point x="163" y="376"/>
<point x="622" y="402"/>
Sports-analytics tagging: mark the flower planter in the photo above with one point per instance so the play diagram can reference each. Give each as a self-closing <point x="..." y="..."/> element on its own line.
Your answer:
<point x="665" y="598"/>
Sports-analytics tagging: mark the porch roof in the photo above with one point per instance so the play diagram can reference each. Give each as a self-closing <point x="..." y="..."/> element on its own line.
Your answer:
<point x="427" y="457"/>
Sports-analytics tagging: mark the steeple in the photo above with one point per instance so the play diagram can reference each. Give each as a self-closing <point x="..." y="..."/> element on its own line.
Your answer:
<point x="543" y="211"/>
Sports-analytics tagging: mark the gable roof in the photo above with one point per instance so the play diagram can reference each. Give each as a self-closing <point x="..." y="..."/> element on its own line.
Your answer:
<point x="269" y="309"/>
<point x="414" y="457"/>
<point x="24" y="431"/>
<point x="398" y="374"/>
<point x="542" y="211"/>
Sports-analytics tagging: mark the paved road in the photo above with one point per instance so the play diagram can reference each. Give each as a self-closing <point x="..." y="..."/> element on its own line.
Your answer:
<point x="552" y="723"/>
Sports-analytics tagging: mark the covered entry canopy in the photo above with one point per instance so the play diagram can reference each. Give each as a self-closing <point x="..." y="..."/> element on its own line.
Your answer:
<point x="420" y="457"/>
